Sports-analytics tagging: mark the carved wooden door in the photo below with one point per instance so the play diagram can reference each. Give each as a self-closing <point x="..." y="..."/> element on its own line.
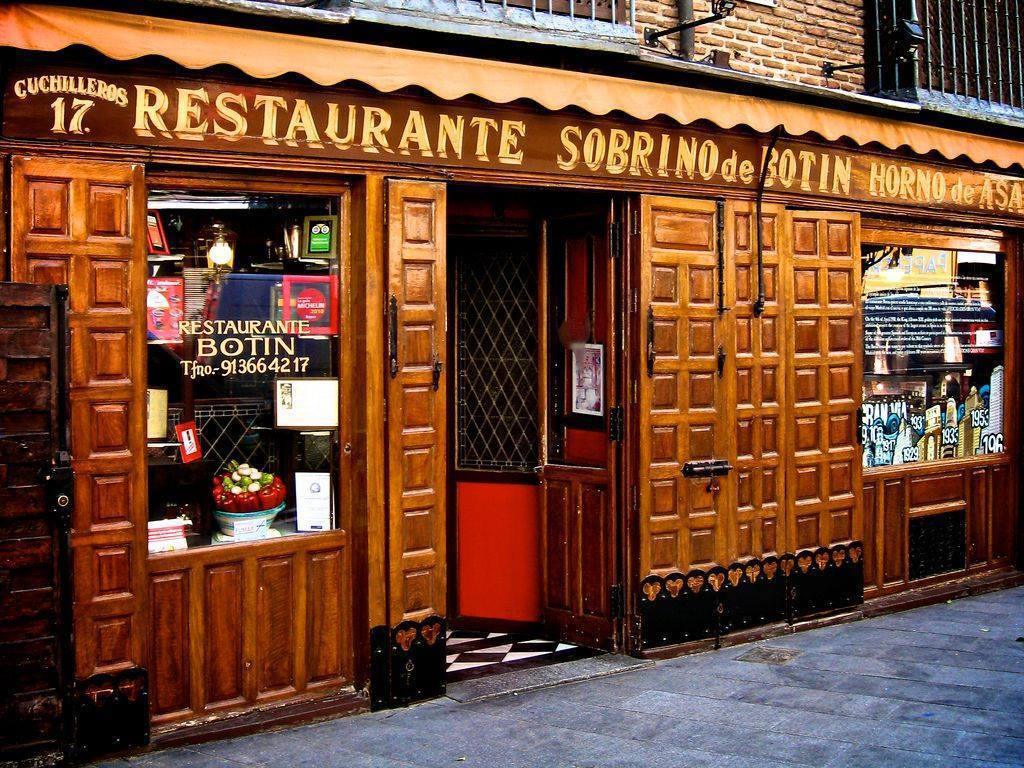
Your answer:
<point x="682" y="405"/>
<point x="417" y="398"/>
<point x="767" y="381"/>
<point x="578" y="495"/>
<point x="81" y="223"/>
<point x="757" y="376"/>
<point x="824" y="378"/>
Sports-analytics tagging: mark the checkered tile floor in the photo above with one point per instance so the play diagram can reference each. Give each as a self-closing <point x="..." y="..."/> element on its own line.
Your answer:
<point x="474" y="653"/>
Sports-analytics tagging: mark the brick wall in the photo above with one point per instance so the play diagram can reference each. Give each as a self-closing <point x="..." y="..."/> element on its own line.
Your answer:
<point x="786" y="41"/>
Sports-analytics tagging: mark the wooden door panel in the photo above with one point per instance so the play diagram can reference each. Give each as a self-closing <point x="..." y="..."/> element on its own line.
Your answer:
<point x="239" y="626"/>
<point x="757" y="397"/>
<point x="824" y="503"/>
<point x="275" y="622"/>
<point x="596" y="523"/>
<point x="681" y="407"/>
<point x="169" y="674"/>
<point x="417" y="407"/>
<point x="81" y="223"/>
<point x="326" y="612"/>
<point x="579" y="560"/>
<point x="223" y="661"/>
<point x="558" y="512"/>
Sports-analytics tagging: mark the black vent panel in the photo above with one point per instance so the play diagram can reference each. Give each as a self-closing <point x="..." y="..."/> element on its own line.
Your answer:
<point x="938" y="544"/>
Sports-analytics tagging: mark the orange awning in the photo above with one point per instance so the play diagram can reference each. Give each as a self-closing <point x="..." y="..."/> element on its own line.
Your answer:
<point x="328" y="62"/>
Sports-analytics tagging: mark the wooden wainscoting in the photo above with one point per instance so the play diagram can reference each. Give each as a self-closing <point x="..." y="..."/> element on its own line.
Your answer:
<point x="983" y="488"/>
<point x="238" y="626"/>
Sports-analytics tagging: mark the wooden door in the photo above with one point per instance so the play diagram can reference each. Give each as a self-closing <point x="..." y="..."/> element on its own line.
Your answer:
<point x="682" y="405"/>
<point x="755" y="377"/>
<point x="824" y="502"/>
<point x="81" y="223"/>
<point x="578" y="491"/>
<point x="416" y="412"/>
<point x="773" y="390"/>
<point x="33" y="638"/>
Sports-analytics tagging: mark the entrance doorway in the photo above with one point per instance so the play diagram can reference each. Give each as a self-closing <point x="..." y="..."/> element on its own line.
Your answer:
<point x="533" y="425"/>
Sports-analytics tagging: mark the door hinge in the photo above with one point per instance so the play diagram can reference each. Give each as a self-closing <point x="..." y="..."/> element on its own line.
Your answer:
<point x="634" y="499"/>
<point x="636" y="220"/>
<point x="615" y="605"/>
<point x="616" y="245"/>
<point x="615" y="425"/>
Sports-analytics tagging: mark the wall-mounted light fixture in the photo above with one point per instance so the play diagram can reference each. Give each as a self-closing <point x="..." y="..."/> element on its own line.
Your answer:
<point x="220" y="247"/>
<point x="904" y="38"/>
<point x="720" y="9"/>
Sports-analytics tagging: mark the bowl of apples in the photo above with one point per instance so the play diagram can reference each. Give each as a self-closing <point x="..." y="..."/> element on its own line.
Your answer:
<point x="246" y="499"/>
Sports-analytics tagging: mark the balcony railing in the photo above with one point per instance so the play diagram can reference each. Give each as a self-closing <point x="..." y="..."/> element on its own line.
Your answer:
<point x="971" y="57"/>
<point x="607" y="24"/>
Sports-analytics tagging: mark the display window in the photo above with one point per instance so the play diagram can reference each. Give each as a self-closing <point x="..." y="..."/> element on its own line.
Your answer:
<point x="933" y="355"/>
<point x="242" y="337"/>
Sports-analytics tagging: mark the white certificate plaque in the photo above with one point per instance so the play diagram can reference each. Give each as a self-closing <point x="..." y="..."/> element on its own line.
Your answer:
<point x="306" y="403"/>
<point x="313" y="501"/>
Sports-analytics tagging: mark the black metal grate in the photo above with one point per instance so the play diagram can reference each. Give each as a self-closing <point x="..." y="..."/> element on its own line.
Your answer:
<point x="938" y="544"/>
<point x="971" y="58"/>
<point x="496" y="287"/>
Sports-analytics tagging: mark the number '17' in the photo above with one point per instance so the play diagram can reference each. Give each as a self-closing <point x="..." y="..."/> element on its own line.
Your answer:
<point x="79" y="107"/>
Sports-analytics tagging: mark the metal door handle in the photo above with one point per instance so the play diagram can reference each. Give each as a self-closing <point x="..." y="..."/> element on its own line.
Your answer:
<point x="651" y="353"/>
<point x="438" y="365"/>
<point x="393" y="336"/>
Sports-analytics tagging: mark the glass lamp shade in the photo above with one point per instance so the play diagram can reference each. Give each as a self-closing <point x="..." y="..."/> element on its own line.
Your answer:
<point x="220" y="247"/>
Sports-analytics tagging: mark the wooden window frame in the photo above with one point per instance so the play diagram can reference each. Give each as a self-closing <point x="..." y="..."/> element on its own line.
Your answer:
<point x="892" y="232"/>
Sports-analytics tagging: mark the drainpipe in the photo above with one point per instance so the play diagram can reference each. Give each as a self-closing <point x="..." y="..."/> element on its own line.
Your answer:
<point x="685" y="10"/>
<point x="759" y="303"/>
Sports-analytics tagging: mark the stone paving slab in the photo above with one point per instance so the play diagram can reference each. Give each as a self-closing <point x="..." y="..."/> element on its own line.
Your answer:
<point x="932" y="687"/>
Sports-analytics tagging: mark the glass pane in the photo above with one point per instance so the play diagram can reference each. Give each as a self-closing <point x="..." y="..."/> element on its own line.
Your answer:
<point x="933" y="355"/>
<point x="242" y="338"/>
<point x="496" y="287"/>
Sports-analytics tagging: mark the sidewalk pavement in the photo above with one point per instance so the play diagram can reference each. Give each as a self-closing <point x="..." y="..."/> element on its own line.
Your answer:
<point x="936" y="686"/>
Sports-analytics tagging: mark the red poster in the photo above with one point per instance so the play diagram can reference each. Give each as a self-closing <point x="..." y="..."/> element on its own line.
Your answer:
<point x="165" y="306"/>
<point x="188" y="436"/>
<point x="313" y="299"/>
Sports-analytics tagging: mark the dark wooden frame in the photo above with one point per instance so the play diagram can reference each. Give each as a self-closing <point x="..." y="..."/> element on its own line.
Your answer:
<point x="312" y="548"/>
<point x="963" y="483"/>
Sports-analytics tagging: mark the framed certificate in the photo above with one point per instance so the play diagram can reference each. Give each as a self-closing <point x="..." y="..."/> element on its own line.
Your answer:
<point x="310" y="403"/>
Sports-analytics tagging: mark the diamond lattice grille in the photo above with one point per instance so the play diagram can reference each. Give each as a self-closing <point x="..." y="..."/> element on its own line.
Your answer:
<point x="497" y="360"/>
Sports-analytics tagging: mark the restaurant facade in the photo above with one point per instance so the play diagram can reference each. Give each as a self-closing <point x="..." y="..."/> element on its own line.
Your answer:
<point x="334" y="349"/>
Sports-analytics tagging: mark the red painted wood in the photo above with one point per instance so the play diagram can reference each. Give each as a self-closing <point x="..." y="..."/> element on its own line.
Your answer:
<point x="499" y="560"/>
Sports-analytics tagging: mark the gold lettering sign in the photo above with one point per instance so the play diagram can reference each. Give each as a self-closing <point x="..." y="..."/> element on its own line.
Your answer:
<point x="163" y="112"/>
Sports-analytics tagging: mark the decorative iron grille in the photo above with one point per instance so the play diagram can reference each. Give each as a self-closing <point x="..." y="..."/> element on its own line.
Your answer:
<point x="496" y="338"/>
<point x="938" y="544"/>
<point x="237" y="430"/>
<point x="971" y="55"/>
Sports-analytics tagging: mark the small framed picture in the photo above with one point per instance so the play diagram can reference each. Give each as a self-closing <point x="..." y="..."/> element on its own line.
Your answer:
<point x="155" y="234"/>
<point x="588" y="379"/>
<point x="304" y="404"/>
<point x="319" y="234"/>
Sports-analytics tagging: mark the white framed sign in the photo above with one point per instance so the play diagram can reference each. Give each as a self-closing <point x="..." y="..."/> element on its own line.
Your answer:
<point x="310" y="403"/>
<point x="313" y="501"/>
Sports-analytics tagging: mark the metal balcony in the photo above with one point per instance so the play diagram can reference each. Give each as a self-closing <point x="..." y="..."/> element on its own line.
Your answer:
<point x="595" y="24"/>
<point x="970" y="62"/>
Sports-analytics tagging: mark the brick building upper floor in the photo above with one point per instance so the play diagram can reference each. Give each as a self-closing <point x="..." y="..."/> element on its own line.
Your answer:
<point x="944" y="60"/>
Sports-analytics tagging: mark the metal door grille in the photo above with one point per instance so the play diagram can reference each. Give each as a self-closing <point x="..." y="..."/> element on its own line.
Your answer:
<point x="938" y="544"/>
<point x="496" y="349"/>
